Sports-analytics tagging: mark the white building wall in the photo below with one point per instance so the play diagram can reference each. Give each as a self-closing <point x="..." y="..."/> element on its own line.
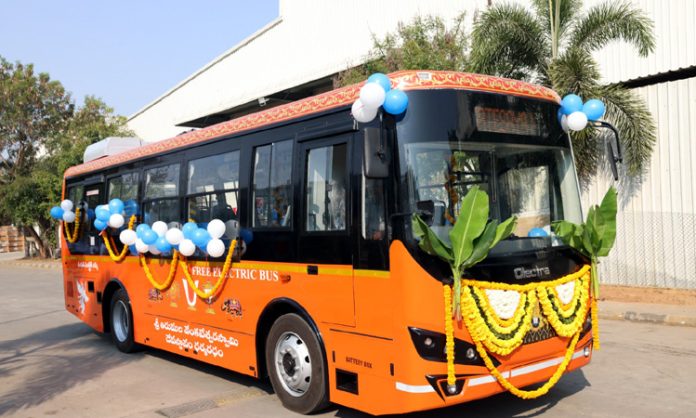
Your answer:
<point x="656" y="241"/>
<point x="311" y="39"/>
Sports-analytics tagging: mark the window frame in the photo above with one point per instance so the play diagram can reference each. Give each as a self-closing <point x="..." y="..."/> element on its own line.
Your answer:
<point x="290" y="227"/>
<point x="202" y="155"/>
<point x="166" y="161"/>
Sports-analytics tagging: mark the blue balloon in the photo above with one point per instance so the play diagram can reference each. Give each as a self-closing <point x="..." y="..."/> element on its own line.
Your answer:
<point x="103" y="213"/>
<point x="559" y="114"/>
<point x="201" y="238"/>
<point x="133" y="250"/>
<point x="149" y="236"/>
<point x="116" y="205"/>
<point x="594" y="109"/>
<point x="537" y="232"/>
<point x="380" y="79"/>
<point x="163" y="245"/>
<point x="57" y="212"/>
<point x="140" y="229"/>
<point x="571" y="103"/>
<point x="130" y="207"/>
<point x="395" y="102"/>
<point x="90" y="214"/>
<point x="188" y="229"/>
<point x="246" y="235"/>
<point x="99" y="224"/>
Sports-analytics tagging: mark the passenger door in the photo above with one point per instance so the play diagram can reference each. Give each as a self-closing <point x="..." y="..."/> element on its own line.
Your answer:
<point x="325" y="222"/>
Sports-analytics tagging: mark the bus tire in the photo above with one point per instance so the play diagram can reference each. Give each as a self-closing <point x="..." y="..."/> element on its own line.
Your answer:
<point x="295" y="364"/>
<point x="122" y="322"/>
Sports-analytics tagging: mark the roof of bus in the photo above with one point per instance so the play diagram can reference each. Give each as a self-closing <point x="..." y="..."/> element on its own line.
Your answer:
<point x="405" y="80"/>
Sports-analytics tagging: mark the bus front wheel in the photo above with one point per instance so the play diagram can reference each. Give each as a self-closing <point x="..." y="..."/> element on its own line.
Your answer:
<point x="295" y="363"/>
<point x="122" y="322"/>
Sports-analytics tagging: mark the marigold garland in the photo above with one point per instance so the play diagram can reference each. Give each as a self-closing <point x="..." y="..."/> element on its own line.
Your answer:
<point x="449" y="335"/>
<point x="490" y="333"/>
<point x="500" y="325"/>
<point x="109" y="243"/>
<point x="218" y="285"/>
<point x="529" y="394"/>
<point x="172" y="271"/>
<point x="595" y="323"/>
<point x="74" y="236"/>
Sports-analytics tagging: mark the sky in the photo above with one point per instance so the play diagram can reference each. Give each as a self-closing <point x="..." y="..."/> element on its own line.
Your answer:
<point x="125" y="52"/>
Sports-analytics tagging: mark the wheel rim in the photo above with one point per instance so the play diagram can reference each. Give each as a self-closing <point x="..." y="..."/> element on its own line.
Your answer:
<point x="293" y="364"/>
<point x="120" y="321"/>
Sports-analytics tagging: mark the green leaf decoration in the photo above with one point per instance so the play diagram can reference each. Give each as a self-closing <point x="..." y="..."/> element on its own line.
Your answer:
<point x="470" y="223"/>
<point x="606" y="229"/>
<point x="482" y="245"/>
<point x="429" y="241"/>
<point x="596" y="236"/>
<point x="504" y="230"/>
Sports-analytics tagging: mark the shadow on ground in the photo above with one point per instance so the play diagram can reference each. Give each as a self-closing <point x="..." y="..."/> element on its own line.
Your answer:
<point x="52" y="361"/>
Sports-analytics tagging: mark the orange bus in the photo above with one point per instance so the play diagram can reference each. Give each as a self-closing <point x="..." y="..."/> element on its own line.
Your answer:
<point x="329" y="295"/>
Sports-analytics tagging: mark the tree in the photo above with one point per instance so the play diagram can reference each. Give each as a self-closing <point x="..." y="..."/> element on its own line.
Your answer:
<point x="425" y="43"/>
<point x="41" y="135"/>
<point x="33" y="108"/>
<point x="551" y="44"/>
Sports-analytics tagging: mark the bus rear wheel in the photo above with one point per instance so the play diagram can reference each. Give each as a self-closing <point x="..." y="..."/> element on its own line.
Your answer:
<point x="295" y="363"/>
<point x="122" y="322"/>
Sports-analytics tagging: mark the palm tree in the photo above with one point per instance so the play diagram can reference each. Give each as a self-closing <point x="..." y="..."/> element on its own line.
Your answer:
<point x="551" y="44"/>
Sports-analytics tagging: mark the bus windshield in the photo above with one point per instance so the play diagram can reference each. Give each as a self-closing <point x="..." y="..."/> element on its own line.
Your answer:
<point x="507" y="148"/>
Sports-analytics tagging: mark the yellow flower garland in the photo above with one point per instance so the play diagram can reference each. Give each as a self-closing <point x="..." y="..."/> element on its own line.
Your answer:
<point x="492" y="334"/>
<point x="529" y="394"/>
<point x="74" y="236"/>
<point x="225" y="269"/>
<point x="449" y="335"/>
<point x="480" y="330"/>
<point x="499" y="325"/>
<point x="595" y="323"/>
<point x="554" y="317"/>
<point x="172" y="271"/>
<point x="109" y="243"/>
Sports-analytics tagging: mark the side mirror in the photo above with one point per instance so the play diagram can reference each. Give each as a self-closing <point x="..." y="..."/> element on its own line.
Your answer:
<point x="375" y="154"/>
<point x="613" y="147"/>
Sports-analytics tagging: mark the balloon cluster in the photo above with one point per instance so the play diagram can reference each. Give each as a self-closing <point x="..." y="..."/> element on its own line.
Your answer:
<point x="64" y="211"/>
<point x="375" y="93"/>
<point x="574" y="114"/>
<point x="161" y="239"/>
<point x="114" y="213"/>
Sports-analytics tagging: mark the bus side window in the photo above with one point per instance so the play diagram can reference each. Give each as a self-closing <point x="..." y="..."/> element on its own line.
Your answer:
<point x="373" y="210"/>
<point x="326" y="188"/>
<point x="161" y="200"/>
<point x="213" y="188"/>
<point x="273" y="185"/>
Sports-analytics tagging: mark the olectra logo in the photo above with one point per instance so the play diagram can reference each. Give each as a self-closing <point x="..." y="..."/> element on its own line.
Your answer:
<point x="534" y="272"/>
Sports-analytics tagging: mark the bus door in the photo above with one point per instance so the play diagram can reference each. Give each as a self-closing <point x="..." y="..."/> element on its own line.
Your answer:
<point x="324" y="239"/>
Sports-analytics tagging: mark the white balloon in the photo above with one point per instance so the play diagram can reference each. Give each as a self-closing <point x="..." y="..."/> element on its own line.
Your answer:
<point x="362" y="113"/>
<point x="372" y="95"/>
<point x="216" y="228"/>
<point x="141" y="246"/>
<point x="128" y="237"/>
<point x="160" y="228"/>
<point x="66" y="205"/>
<point x="68" y="216"/>
<point x="153" y="249"/>
<point x="215" y="248"/>
<point x="577" y="121"/>
<point x="564" y="123"/>
<point x="174" y="236"/>
<point x="187" y="248"/>
<point x="116" y="220"/>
